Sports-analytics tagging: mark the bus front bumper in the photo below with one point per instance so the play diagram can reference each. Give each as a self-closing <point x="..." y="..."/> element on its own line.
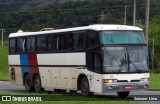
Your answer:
<point x="118" y="87"/>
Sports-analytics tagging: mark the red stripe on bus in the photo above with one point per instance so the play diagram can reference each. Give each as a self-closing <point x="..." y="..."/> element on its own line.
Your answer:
<point x="32" y="60"/>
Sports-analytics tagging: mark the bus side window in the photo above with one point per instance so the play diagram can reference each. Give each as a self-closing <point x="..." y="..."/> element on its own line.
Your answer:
<point x="52" y="42"/>
<point x="92" y="39"/>
<point x="27" y="44"/>
<point x="64" y="42"/>
<point x="41" y="43"/>
<point x="78" y="40"/>
<point x="30" y="44"/>
<point x="24" y="43"/>
<point x="19" y="44"/>
<point x="12" y="44"/>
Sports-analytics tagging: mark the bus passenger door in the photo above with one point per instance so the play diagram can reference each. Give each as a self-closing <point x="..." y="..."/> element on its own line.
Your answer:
<point x="97" y="71"/>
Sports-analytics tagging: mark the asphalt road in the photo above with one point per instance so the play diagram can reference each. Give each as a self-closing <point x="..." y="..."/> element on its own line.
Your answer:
<point x="8" y="87"/>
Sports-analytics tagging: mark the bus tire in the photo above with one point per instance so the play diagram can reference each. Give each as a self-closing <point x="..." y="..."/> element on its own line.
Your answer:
<point x="37" y="84"/>
<point x="27" y="83"/>
<point x="123" y="94"/>
<point x="85" y="86"/>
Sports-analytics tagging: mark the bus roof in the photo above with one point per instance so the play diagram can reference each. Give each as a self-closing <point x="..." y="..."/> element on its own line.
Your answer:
<point x="97" y="27"/>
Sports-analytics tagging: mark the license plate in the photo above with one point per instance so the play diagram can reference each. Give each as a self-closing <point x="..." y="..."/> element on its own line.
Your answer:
<point x="128" y="87"/>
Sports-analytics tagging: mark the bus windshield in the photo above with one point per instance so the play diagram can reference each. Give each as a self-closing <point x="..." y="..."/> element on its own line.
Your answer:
<point x="125" y="59"/>
<point x="122" y="37"/>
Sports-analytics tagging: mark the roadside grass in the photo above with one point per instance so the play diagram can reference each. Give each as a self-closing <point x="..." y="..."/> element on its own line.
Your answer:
<point x="75" y="102"/>
<point x="154" y="82"/>
<point x="67" y="99"/>
<point x="4" y="64"/>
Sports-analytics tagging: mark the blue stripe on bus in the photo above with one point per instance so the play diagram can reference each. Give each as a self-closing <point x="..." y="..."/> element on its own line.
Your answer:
<point x="24" y="61"/>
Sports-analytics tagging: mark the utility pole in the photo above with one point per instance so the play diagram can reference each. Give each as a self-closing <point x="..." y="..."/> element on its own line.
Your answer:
<point x="102" y="17"/>
<point x="147" y="19"/>
<point x="153" y="55"/>
<point x="134" y="13"/>
<point x="125" y="14"/>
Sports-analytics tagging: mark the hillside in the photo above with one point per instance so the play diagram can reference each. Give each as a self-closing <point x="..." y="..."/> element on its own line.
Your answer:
<point x="33" y="15"/>
<point x="24" y="5"/>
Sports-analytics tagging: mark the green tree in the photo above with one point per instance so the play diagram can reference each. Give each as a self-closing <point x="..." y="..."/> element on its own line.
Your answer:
<point x="154" y="33"/>
<point x="109" y="19"/>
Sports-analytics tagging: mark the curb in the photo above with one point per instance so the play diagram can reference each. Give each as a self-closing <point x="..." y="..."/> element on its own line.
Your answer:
<point x="5" y="80"/>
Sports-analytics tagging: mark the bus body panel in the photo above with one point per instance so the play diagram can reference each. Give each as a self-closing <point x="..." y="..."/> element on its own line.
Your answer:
<point x="132" y="81"/>
<point x="97" y="82"/>
<point x="13" y="60"/>
<point x="56" y="77"/>
<point x="46" y="76"/>
<point x="128" y="77"/>
<point x="64" y="78"/>
<point x="16" y="75"/>
<point x="71" y="59"/>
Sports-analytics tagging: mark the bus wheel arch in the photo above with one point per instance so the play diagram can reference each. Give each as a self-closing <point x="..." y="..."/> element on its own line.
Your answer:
<point x="83" y="85"/>
<point x="80" y="77"/>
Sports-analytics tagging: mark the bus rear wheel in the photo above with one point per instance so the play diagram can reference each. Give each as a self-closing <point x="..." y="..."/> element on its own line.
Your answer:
<point x="85" y="87"/>
<point x="27" y="83"/>
<point x="37" y="84"/>
<point x="123" y="94"/>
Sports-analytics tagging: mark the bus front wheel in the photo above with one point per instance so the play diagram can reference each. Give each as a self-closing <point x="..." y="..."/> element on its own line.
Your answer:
<point x="37" y="84"/>
<point x="27" y="83"/>
<point x="85" y="86"/>
<point x="123" y="94"/>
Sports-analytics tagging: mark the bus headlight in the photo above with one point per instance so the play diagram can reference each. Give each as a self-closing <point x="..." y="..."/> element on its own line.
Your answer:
<point x="110" y="80"/>
<point x="144" y="79"/>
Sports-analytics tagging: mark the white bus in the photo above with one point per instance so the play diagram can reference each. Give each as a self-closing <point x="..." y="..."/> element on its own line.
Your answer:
<point x="91" y="59"/>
